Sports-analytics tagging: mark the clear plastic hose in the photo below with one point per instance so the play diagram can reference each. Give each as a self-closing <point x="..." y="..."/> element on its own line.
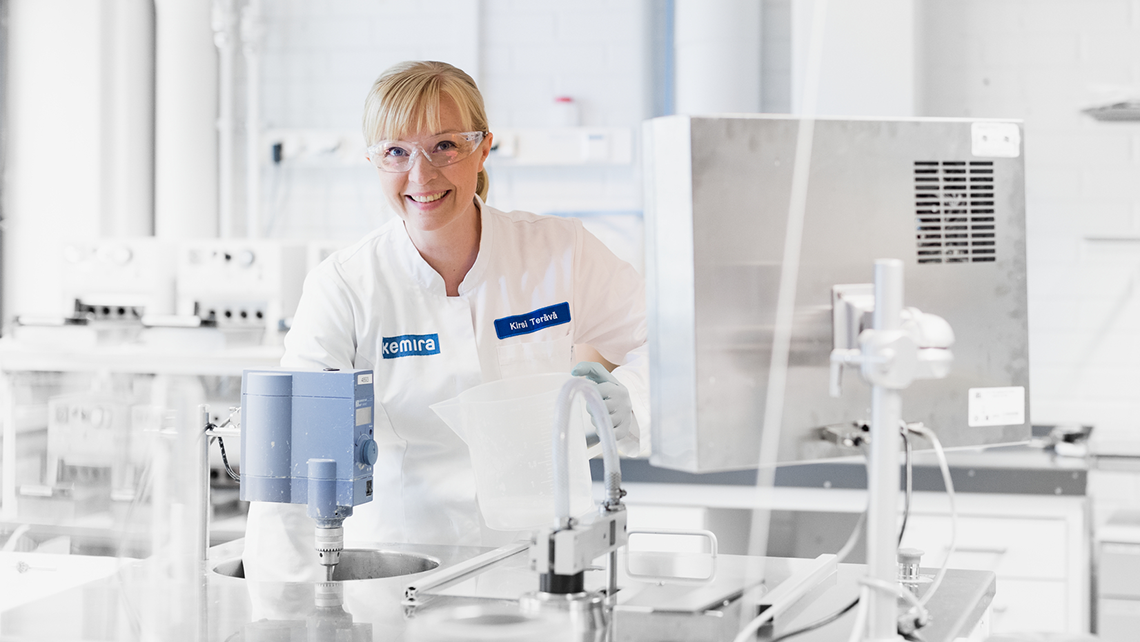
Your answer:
<point x="612" y="465"/>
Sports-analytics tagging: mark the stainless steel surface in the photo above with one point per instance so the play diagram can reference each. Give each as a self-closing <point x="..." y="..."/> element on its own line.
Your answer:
<point x="356" y="564"/>
<point x="157" y="599"/>
<point x="717" y="199"/>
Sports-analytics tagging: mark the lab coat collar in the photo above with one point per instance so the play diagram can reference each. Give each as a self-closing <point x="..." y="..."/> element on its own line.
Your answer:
<point x="427" y="277"/>
<point x="486" y="242"/>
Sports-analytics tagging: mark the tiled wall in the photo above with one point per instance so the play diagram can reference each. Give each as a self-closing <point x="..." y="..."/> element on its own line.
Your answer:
<point x="1043" y="61"/>
<point x="321" y="56"/>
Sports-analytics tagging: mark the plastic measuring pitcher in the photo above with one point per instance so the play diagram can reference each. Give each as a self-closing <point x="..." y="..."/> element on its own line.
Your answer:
<point x="507" y="425"/>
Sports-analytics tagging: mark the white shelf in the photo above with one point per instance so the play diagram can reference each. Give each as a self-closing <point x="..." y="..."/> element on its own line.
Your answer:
<point x="136" y="359"/>
<point x="562" y="146"/>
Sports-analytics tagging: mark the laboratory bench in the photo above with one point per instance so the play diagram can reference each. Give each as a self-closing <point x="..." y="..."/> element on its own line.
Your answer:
<point x="177" y="599"/>
<point x="1023" y="513"/>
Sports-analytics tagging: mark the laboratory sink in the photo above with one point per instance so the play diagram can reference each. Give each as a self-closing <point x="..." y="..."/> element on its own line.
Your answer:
<point x="357" y="564"/>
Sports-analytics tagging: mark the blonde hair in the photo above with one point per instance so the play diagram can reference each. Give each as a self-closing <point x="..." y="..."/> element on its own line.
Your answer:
<point x="405" y="98"/>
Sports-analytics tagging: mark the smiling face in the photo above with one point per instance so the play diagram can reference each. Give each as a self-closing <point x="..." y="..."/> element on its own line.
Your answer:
<point x="430" y="198"/>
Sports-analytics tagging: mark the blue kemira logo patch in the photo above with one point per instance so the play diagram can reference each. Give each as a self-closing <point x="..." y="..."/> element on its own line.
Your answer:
<point x="409" y="345"/>
<point x="533" y="321"/>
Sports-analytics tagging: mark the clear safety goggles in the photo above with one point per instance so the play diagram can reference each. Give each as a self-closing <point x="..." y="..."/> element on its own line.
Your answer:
<point x="440" y="151"/>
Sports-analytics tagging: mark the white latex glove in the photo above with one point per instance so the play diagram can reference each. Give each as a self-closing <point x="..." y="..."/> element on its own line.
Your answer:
<point x="614" y="394"/>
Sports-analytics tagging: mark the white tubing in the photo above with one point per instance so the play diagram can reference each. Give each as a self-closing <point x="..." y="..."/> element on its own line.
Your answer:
<point x="949" y="482"/>
<point x="561" y="435"/>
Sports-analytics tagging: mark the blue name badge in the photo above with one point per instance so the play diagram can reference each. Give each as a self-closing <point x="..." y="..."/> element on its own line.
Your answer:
<point x="409" y="345"/>
<point x="533" y="321"/>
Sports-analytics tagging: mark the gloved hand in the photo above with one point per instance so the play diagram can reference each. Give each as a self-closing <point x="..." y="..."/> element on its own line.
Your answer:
<point x="614" y="394"/>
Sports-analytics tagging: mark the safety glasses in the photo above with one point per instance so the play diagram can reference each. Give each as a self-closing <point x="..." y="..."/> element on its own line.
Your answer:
<point x="440" y="151"/>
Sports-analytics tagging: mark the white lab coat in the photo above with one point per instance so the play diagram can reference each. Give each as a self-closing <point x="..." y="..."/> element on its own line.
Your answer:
<point x="382" y="288"/>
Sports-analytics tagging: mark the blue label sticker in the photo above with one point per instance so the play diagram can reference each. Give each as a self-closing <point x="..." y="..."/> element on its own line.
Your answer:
<point x="533" y="321"/>
<point x="410" y="345"/>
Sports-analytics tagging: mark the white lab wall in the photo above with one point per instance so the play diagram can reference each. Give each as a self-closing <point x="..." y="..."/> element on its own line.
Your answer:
<point x="321" y="57"/>
<point x="717" y="52"/>
<point x="1043" y="61"/>
<point x="868" y="56"/>
<point x="318" y="60"/>
<point x="592" y="51"/>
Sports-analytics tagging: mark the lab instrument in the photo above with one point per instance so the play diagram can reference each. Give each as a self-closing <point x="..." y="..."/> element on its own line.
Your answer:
<point x="244" y="287"/>
<point x="562" y="553"/>
<point x="307" y="438"/>
<point x="945" y="196"/>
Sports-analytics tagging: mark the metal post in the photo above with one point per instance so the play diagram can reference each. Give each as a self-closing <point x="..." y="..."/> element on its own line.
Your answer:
<point x="611" y="573"/>
<point x="204" y="477"/>
<point x="883" y="477"/>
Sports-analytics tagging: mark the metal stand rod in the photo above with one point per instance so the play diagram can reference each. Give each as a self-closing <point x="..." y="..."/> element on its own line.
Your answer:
<point x="883" y="477"/>
<point x="414" y="593"/>
<point x="204" y="474"/>
<point x="611" y="571"/>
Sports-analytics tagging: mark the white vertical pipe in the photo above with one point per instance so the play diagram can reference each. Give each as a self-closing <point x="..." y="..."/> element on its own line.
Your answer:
<point x="883" y="475"/>
<point x="54" y="115"/>
<point x="717" y="56"/>
<point x="186" y="111"/>
<point x="128" y="117"/>
<point x="223" y="22"/>
<point x="251" y="49"/>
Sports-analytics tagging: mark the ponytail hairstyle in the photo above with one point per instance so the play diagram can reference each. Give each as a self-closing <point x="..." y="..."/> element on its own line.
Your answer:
<point x="405" y="98"/>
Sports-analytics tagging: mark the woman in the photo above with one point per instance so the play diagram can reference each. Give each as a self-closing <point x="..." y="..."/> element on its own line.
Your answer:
<point x="483" y="294"/>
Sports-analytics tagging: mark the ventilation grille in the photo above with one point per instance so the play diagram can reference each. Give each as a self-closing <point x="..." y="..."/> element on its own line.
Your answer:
<point x="954" y="211"/>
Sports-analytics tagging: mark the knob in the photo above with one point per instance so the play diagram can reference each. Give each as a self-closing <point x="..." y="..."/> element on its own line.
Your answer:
<point x="369" y="451"/>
